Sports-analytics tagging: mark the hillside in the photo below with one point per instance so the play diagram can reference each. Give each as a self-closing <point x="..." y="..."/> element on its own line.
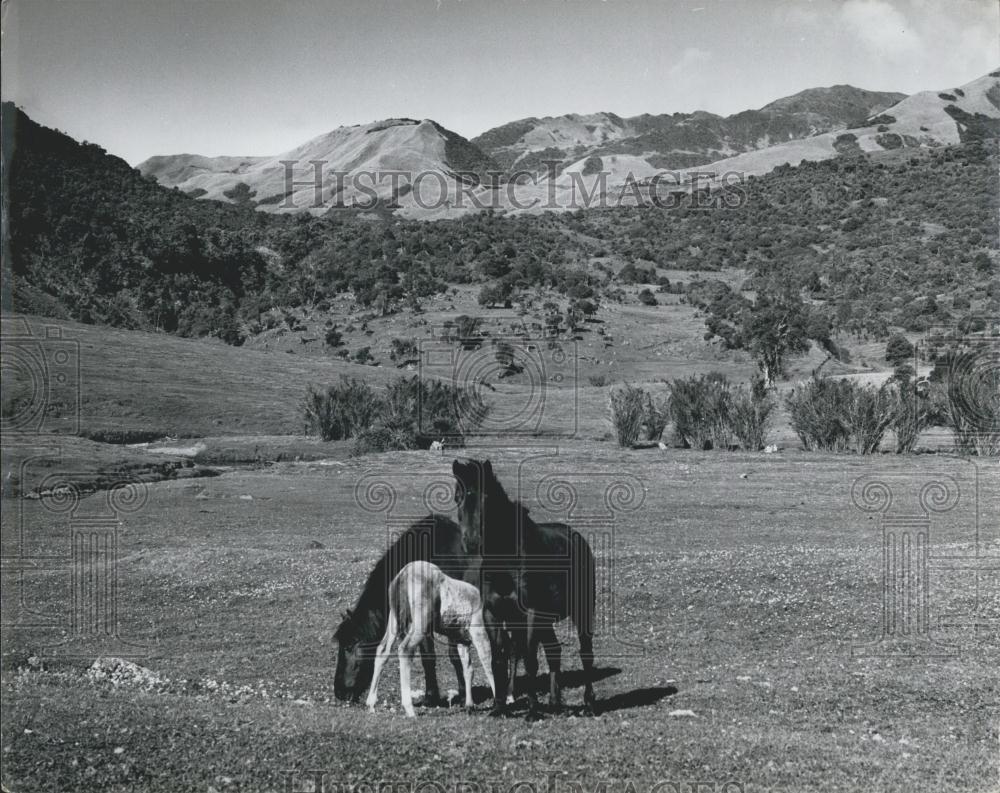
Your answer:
<point x="401" y="145"/>
<point x="900" y="237"/>
<point x="927" y="119"/>
<point x="679" y="139"/>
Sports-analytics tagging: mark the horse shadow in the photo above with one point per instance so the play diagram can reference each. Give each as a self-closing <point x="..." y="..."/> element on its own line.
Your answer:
<point x="574" y="678"/>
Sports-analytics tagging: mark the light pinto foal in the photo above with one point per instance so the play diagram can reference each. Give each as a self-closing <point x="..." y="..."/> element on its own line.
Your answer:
<point x="423" y="600"/>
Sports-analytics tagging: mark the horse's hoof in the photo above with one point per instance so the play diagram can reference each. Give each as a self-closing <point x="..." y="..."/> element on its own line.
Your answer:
<point x="470" y="709"/>
<point x="497" y="712"/>
<point x="533" y="716"/>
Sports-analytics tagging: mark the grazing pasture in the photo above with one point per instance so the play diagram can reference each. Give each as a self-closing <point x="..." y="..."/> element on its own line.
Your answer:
<point x="742" y="647"/>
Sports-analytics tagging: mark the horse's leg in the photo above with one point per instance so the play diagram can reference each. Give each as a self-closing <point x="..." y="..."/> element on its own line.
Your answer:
<point x="516" y="646"/>
<point x="381" y="656"/>
<point x="463" y="654"/>
<point x="587" y="659"/>
<point x="553" y="656"/>
<point x="482" y="644"/>
<point x="494" y="628"/>
<point x="531" y="663"/>
<point x="428" y="660"/>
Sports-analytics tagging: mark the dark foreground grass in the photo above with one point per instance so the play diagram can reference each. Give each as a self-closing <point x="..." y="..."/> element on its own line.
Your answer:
<point x="746" y="590"/>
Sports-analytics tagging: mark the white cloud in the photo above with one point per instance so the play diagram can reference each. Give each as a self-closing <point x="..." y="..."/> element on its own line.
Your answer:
<point x="691" y="60"/>
<point x="882" y="28"/>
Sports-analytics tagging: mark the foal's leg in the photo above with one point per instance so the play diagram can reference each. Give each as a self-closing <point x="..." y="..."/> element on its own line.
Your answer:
<point x="463" y="654"/>
<point x="407" y="649"/>
<point x="381" y="656"/>
<point x="553" y="656"/>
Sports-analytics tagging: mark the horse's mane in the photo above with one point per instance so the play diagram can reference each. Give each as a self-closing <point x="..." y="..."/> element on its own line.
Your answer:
<point x="367" y="620"/>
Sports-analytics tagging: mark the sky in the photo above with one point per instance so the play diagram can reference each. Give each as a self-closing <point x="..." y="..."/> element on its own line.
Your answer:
<point x="259" y="77"/>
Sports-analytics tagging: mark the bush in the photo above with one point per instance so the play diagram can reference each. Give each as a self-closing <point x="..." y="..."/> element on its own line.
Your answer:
<point x="750" y="413"/>
<point x="647" y="298"/>
<point x="415" y="412"/>
<point x="403" y="349"/>
<point x="656" y="417"/>
<point x="341" y="411"/>
<point x="869" y="415"/>
<point x="837" y="415"/>
<point x="412" y="413"/>
<point x="700" y="406"/>
<point x="913" y="411"/>
<point x="334" y="338"/>
<point x="628" y="409"/>
<point x="818" y="411"/>
<point x="971" y="401"/>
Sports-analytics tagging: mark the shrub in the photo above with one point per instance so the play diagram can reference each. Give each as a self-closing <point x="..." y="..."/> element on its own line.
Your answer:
<point x="403" y="349"/>
<point x="837" y="415"/>
<point x="971" y="401"/>
<point x="334" y="338"/>
<point x="341" y="411"/>
<point x="700" y="406"/>
<point x="869" y="415"/>
<point x="818" y="410"/>
<point x="898" y="350"/>
<point x="750" y="413"/>
<point x="363" y="355"/>
<point x="415" y="412"/>
<point x="628" y="408"/>
<point x="656" y="417"/>
<point x="913" y="410"/>
<point x="647" y="298"/>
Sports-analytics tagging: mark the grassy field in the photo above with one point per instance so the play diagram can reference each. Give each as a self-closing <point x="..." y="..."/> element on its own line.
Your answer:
<point x="746" y="589"/>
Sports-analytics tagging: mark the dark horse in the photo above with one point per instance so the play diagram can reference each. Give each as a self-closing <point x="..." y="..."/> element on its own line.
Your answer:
<point x="432" y="539"/>
<point x="533" y="575"/>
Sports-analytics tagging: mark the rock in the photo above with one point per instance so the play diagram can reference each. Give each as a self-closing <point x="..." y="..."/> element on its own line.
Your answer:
<point x="744" y="476"/>
<point x="246" y="497"/>
<point x="771" y="449"/>
<point x="315" y="545"/>
<point x="686" y="714"/>
<point x="663" y="447"/>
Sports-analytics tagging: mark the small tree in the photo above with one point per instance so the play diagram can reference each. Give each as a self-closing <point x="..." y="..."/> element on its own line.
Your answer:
<point x="898" y="351"/>
<point x="334" y="338"/>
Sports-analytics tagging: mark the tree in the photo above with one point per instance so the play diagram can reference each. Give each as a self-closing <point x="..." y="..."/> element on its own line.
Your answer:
<point x="898" y="350"/>
<point x="774" y="329"/>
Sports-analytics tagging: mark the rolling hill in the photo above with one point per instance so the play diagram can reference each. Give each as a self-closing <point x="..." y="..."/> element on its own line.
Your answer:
<point x="679" y="139"/>
<point x="398" y="145"/>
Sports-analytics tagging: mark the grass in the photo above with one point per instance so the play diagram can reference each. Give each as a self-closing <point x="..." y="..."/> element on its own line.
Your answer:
<point x="740" y="586"/>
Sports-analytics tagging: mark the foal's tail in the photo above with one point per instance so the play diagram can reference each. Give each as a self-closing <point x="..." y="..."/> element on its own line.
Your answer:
<point x="399" y="604"/>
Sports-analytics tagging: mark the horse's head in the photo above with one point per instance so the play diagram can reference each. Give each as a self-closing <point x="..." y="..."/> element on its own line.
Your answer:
<point x="475" y="489"/>
<point x="355" y="659"/>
